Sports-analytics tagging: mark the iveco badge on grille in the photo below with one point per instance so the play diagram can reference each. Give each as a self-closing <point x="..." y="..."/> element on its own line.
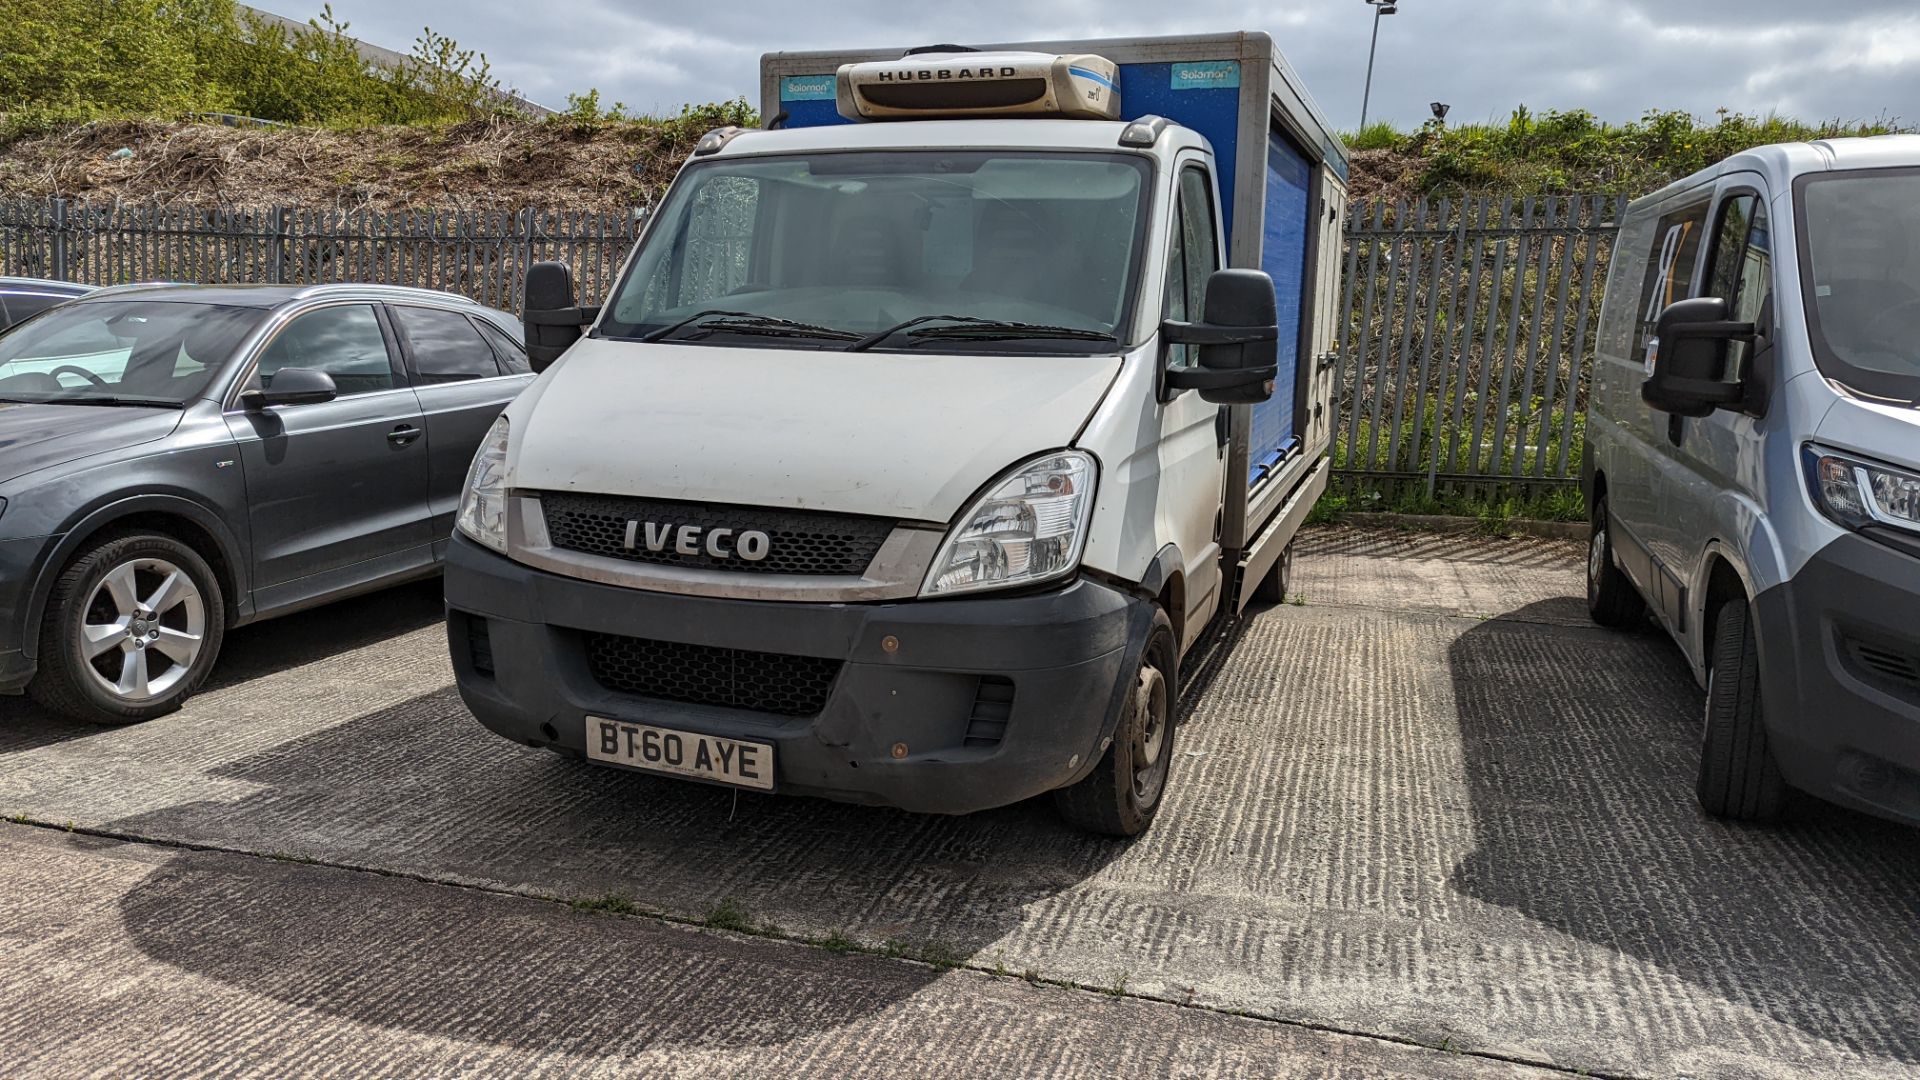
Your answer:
<point x="750" y="545"/>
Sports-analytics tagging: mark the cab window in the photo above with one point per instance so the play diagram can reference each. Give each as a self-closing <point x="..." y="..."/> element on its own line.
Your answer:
<point x="1195" y="256"/>
<point x="1742" y="268"/>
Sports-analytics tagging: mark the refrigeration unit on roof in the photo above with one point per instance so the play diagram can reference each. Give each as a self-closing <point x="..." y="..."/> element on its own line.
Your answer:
<point x="955" y="83"/>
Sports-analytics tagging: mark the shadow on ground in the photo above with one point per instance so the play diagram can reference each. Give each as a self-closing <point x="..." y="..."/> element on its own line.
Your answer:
<point x="1580" y="770"/>
<point x="458" y="964"/>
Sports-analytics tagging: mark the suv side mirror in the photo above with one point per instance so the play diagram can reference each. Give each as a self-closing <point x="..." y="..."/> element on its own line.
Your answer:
<point x="1239" y="341"/>
<point x="1687" y="360"/>
<point x="291" y="386"/>
<point x="552" y="319"/>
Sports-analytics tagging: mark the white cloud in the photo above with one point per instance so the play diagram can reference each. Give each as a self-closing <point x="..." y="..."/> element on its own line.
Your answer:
<point x="1617" y="58"/>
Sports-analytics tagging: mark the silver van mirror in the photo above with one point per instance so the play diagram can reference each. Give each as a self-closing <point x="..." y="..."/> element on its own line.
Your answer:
<point x="1686" y="374"/>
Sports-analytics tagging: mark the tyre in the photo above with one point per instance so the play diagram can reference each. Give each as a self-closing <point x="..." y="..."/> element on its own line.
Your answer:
<point x="1124" y="791"/>
<point x="1738" y="777"/>
<point x="1273" y="588"/>
<point x="1611" y="599"/>
<point x="131" y="628"/>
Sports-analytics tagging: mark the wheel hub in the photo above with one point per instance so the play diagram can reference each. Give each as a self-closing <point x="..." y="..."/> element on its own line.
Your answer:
<point x="142" y="629"/>
<point x="1149" y="757"/>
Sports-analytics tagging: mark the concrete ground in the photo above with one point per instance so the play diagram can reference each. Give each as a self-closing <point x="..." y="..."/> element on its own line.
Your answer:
<point x="1429" y="823"/>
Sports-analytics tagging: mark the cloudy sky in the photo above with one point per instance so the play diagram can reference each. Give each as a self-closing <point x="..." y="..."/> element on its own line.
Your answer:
<point x="1851" y="59"/>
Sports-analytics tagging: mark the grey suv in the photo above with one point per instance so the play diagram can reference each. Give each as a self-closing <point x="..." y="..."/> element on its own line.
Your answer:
<point x="178" y="460"/>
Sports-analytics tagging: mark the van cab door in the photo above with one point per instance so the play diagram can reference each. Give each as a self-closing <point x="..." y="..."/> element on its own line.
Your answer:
<point x="1708" y="457"/>
<point x="1193" y="447"/>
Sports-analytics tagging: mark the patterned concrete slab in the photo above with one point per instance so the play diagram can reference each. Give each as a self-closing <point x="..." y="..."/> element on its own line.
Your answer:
<point x="1474" y="832"/>
<point x="131" y="959"/>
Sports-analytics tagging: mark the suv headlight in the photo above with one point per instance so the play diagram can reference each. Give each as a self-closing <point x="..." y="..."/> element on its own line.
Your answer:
<point x="483" y="505"/>
<point x="1856" y="493"/>
<point x="1028" y="528"/>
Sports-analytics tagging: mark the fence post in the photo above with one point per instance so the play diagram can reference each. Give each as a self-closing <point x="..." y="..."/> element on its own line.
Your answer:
<point x="278" y="274"/>
<point x="59" y="239"/>
<point x="516" y="282"/>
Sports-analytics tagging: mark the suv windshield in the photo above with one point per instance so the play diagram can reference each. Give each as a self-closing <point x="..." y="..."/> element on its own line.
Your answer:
<point x="125" y="352"/>
<point x="978" y="251"/>
<point x="1862" y="272"/>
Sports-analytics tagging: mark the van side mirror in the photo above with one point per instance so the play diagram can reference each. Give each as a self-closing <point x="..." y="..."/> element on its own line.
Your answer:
<point x="291" y="386"/>
<point x="1687" y="368"/>
<point x="553" y="320"/>
<point x="1239" y="340"/>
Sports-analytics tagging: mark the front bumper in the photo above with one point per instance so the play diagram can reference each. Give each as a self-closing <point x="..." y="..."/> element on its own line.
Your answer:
<point x="1064" y="654"/>
<point x="1840" y="674"/>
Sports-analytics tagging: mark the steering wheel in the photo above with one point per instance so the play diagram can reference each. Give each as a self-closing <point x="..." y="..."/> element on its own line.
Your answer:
<point x="80" y="371"/>
<point x="1872" y="329"/>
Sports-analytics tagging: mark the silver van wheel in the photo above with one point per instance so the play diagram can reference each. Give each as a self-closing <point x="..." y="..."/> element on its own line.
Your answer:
<point x="142" y="629"/>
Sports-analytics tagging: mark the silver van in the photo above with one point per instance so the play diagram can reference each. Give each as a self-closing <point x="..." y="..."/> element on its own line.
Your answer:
<point x="1753" y="465"/>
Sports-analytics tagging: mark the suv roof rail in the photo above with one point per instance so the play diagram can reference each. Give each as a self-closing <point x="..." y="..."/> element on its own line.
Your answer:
<point x="398" y="292"/>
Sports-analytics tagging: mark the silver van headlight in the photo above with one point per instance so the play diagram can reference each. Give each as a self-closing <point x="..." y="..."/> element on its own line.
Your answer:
<point x="483" y="505"/>
<point x="1029" y="527"/>
<point x="1855" y="492"/>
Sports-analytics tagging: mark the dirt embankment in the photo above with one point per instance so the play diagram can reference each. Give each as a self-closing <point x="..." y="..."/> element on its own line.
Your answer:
<point x="483" y="164"/>
<point x="489" y="164"/>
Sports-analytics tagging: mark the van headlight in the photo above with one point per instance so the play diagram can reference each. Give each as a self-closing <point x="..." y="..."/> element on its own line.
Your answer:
<point x="483" y="505"/>
<point x="1029" y="527"/>
<point x="1855" y="493"/>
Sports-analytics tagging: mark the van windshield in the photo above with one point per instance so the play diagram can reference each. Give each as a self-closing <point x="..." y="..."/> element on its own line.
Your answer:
<point x="832" y="250"/>
<point x="1860" y="258"/>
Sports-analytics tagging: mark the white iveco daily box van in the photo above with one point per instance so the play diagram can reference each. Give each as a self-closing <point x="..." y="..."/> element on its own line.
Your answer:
<point x="1753" y="465"/>
<point x="922" y="434"/>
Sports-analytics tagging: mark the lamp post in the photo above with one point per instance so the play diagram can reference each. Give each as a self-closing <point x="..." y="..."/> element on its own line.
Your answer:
<point x="1380" y="7"/>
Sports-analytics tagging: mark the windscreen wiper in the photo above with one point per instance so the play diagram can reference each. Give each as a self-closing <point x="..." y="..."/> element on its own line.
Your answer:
<point x="973" y="327"/>
<point x="746" y="322"/>
<point x="111" y="399"/>
<point x="1001" y="330"/>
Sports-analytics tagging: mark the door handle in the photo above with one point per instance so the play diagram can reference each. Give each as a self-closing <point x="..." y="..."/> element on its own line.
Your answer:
<point x="403" y="434"/>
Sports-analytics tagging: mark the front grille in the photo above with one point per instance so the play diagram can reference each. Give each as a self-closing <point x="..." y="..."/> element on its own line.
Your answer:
<point x="800" y="541"/>
<point x="707" y="675"/>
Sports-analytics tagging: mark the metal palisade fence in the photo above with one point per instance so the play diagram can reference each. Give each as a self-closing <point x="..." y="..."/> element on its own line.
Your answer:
<point x="1465" y="353"/>
<point x="478" y="253"/>
<point x="1470" y="327"/>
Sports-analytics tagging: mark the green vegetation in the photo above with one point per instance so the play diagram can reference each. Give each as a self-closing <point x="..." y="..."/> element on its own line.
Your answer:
<point x="1574" y="152"/>
<point x="77" y="60"/>
<point x="81" y="59"/>
<point x="1495" y="509"/>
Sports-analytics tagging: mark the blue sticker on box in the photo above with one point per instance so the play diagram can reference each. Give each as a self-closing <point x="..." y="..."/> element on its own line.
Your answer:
<point x="1210" y="75"/>
<point x="808" y="88"/>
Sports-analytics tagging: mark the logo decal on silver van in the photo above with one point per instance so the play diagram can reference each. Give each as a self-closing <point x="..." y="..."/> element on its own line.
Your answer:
<point x="750" y="545"/>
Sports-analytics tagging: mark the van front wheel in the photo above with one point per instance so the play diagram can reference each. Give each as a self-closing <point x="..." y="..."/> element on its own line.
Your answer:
<point x="1123" y="792"/>
<point x="1738" y="777"/>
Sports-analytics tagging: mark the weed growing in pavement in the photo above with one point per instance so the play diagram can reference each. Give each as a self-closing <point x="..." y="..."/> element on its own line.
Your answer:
<point x="1119" y="987"/>
<point x="610" y="904"/>
<point x="837" y="943"/>
<point x="937" y="953"/>
<point x="727" y="915"/>
<point x="1297" y="600"/>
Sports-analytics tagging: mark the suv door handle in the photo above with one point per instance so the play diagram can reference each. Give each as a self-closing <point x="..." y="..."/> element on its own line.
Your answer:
<point x="403" y="434"/>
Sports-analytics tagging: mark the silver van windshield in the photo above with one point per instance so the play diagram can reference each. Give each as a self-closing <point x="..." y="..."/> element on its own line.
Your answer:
<point x="825" y="250"/>
<point x="1860" y="260"/>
